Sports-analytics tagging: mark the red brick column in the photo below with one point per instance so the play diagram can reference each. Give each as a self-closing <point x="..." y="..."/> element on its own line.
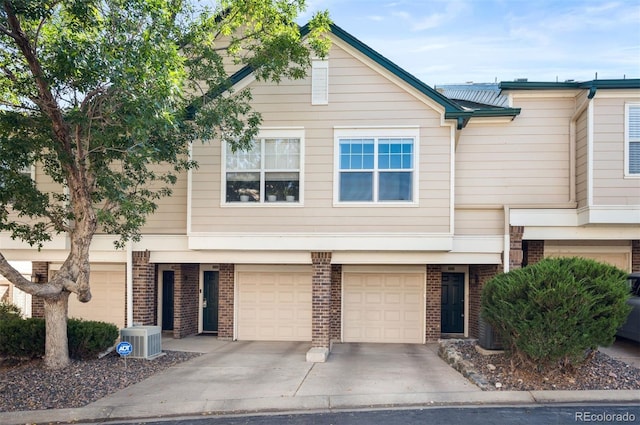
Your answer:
<point x="635" y="256"/>
<point x="321" y="299"/>
<point x="41" y="268"/>
<point x="336" y="302"/>
<point x="185" y="300"/>
<point x="479" y="274"/>
<point x="433" y="303"/>
<point x="534" y="252"/>
<point x="225" y="301"/>
<point x="144" y="289"/>
<point x="515" y="248"/>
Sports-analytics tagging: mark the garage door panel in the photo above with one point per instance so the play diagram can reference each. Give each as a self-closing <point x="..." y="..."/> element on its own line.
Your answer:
<point x="108" y="298"/>
<point x="383" y="307"/>
<point x="281" y="301"/>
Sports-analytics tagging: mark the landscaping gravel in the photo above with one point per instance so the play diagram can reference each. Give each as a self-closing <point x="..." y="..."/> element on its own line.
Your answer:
<point x="30" y="386"/>
<point x="494" y="372"/>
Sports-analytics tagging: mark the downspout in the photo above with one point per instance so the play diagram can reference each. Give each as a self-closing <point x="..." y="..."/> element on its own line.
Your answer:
<point x="507" y="239"/>
<point x="573" y="142"/>
<point x="129" y="321"/>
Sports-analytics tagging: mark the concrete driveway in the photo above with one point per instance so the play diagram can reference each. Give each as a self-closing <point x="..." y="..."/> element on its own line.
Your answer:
<point x="269" y="375"/>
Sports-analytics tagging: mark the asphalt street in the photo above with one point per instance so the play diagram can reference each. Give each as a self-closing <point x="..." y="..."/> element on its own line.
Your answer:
<point x="525" y="415"/>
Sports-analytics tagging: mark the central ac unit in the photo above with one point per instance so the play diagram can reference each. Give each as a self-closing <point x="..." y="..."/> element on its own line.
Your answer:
<point x="146" y="341"/>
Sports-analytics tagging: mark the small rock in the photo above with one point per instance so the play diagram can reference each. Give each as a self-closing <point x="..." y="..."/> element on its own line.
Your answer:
<point x="498" y="385"/>
<point x="613" y="375"/>
<point x="491" y="367"/>
<point x="572" y="380"/>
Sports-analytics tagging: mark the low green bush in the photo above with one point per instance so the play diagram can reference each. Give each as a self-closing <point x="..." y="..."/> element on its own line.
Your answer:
<point x="555" y="312"/>
<point x="88" y="338"/>
<point x="9" y="311"/>
<point x="25" y="338"/>
<point x="22" y="338"/>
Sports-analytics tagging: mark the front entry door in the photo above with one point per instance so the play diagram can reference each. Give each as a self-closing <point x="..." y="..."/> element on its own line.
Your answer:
<point x="210" y="302"/>
<point x="167" y="300"/>
<point x="452" y="303"/>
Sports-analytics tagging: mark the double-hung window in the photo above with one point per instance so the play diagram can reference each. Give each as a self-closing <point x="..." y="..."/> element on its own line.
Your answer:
<point x="269" y="172"/>
<point x="632" y="140"/>
<point x="376" y="168"/>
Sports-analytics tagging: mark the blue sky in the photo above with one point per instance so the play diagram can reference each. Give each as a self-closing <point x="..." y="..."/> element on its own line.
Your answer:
<point x="456" y="41"/>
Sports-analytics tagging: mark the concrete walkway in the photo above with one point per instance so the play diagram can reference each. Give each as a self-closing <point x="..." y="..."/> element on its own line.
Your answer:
<point x="274" y="376"/>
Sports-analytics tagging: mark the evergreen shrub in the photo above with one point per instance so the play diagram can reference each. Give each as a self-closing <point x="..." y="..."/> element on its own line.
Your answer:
<point x="556" y="312"/>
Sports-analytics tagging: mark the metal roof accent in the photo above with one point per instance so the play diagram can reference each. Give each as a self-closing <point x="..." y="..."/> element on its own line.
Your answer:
<point x="475" y="95"/>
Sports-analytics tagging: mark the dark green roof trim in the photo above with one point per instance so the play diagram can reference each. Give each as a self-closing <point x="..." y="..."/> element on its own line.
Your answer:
<point x="451" y="109"/>
<point x="496" y="112"/>
<point x="596" y="84"/>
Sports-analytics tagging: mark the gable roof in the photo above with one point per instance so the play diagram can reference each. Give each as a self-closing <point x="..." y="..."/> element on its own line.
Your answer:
<point x="452" y="109"/>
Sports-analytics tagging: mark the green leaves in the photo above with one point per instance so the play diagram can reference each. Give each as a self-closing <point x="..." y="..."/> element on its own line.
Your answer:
<point x="105" y="96"/>
<point x="553" y="312"/>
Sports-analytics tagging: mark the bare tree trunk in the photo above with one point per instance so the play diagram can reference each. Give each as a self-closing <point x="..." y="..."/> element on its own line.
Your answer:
<point x="56" y="354"/>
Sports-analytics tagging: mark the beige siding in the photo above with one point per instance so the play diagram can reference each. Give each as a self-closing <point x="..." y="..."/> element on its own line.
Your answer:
<point x="522" y="162"/>
<point x="171" y="215"/>
<point x="581" y="160"/>
<point x="479" y="222"/>
<point x="609" y="185"/>
<point x="358" y="96"/>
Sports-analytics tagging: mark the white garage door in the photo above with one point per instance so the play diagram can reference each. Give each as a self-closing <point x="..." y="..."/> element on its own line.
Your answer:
<point x="274" y="304"/>
<point x="621" y="260"/>
<point x="383" y="307"/>
<point x="107" y="297"/>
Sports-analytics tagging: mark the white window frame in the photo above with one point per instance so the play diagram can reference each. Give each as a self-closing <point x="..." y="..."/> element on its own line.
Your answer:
<point x="628" y="140"/>
<point x="266" y="133"/>
<point x="376" y="133"/>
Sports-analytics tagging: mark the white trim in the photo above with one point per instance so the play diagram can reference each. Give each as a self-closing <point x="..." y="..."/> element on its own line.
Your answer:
<point x="590" y="130"/>
<point x="321" y="242"/>
<point x="380" y="257"/>
<point x="627" y="141"/>
<point x="129" y="285"/>
<point x="452" y="180"/>
<point x="376" y="132"/>
<point x="609" y="214"/>
<point x="582" y="233"/>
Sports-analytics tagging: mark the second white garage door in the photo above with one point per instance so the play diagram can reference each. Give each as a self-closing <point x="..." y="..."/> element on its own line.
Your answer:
<point x="383" y="307"/>
<point x="274" y="304"/>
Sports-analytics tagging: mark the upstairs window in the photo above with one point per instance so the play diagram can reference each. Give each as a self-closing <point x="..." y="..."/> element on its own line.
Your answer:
<point x="267" y="173"/>
<point x="376" y="169"/>
<point x="632" y="138"/>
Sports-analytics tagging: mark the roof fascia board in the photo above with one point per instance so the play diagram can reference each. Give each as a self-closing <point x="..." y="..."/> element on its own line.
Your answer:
<point x="423" y="88"/>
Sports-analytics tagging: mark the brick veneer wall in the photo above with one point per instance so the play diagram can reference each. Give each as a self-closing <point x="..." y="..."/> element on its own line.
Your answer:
<point x="635" y="256"/>
<point x="534" y="252"/>
<point x="144" y="289"/>
<point x="225" y="301"/>
<point x="37" y="304"/>
<point x="320" y="299"/>
<point x="515" y="248"/>
<point x="185" y="301"/>
<point x="433" y="303"/>
<point x="479" y="274"/>
<point x="336" y="302"/>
